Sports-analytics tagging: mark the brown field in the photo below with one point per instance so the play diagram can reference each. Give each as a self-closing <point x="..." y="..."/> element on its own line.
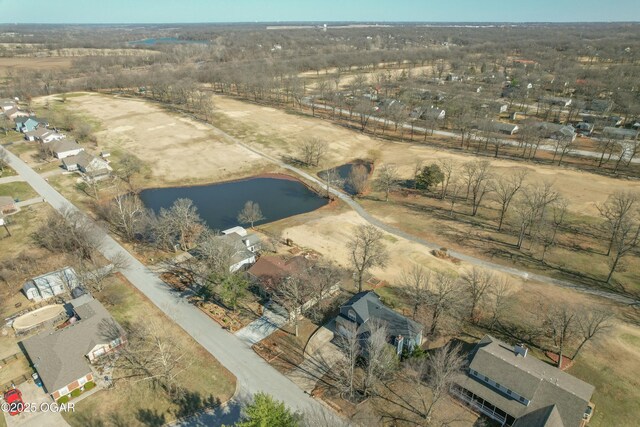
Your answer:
<point x="19" y="63"/>
<point x="179" y="150"/>
<point x="279" y="133"/>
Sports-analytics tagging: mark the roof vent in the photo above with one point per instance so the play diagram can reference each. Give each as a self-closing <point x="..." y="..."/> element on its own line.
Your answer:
<point x="520" y="350"/>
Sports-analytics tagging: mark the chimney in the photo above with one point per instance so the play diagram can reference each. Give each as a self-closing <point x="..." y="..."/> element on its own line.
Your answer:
<point x="520" y="350"/>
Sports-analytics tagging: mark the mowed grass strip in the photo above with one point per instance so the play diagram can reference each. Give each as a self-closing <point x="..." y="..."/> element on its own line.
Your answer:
<point x="136" y="403"/>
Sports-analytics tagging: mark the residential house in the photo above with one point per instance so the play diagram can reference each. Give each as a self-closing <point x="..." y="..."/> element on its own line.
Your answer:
<point x="51" y="284"/>
<point x="43" y="135"/>
<point x="496" y="107"/>
<point x="29" y="123"/>
<point x="7" y="104"/>
<point x="14" y="113"/>
<point x="554" y="100"/>
<point x="584" y="128"/>
<point x="404" y="333"/>
<point x="600" y="105"/>
<point x="620" y="133"/>
<point x="270" y="270"/>
<point x="244" y="247"/>
<point x="91" y="166"/>
<point x="428" y="113"/>
<point x="506" y="128"/>
<point x="63" y="357"/>
<point x="7" y="205"/>
<point x="514" y="388"/>
<point x="64" y="147"/>
<point x="557" y="131"/>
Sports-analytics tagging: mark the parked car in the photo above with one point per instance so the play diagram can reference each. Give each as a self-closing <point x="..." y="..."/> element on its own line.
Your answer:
<point x="36" y="379"/>
<point x="14" y="398"/>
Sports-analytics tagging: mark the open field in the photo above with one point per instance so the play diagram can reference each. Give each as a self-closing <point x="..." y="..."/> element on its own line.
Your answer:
<point x="11" y="65"/>
<point x="178" y="150"/>
<point x="18" y="190"/>
<point x="203" y="376"/>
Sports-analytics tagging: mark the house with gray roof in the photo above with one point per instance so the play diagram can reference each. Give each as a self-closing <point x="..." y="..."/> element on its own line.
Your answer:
<point x="51" y="284"/>
<point x="620" y="133"/>
<point x="63" y="357"/>
<point x="556" y="131"/>
<point x="512" y="387"/>
<point x="242" y="246"/>
<point x="404" y="333"/>
<point x="64" y="148"/>
<point x="91" y="166"/>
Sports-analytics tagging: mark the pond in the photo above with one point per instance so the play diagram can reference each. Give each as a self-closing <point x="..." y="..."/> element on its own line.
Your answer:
<point x="165" y="40"/>
<point x="344" y="171"/>
<point x="219" y="204"/>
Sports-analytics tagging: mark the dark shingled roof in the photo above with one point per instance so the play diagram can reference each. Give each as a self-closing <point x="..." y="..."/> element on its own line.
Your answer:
<point x="542" y="384"/>
<point x="367" y="305"/>
<point x="59" y="356"/>
<point x="543" y="417"/>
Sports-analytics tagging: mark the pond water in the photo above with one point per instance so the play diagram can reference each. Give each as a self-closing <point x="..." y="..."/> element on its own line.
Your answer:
<point x="165" y="40"/>
<point x="219" y="204"/>
<point x="344" y="171"/>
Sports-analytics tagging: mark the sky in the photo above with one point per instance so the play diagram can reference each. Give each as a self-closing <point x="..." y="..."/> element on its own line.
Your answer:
<point x="188" y="11"/>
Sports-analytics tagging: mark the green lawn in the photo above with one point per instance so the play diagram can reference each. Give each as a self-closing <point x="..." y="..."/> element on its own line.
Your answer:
<point x="17" y="190"/>
<point x="136" y="403"/>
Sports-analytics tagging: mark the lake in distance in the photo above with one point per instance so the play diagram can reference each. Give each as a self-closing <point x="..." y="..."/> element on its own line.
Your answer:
<point x="219" y="204"/>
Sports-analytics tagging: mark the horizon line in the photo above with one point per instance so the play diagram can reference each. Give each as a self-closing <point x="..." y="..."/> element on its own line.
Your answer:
<point x="323" y="22"/>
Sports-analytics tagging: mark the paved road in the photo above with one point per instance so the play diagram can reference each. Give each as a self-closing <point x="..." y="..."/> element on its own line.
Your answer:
<point x="13" y="178"/>
<point x="259" y="329"/>
<point x="431" y="245"/>
<point x="544" y="147"/>
<point x="252" y="372"/>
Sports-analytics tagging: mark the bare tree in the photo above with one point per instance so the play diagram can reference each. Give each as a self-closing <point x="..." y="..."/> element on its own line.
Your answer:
<point x="627" y="240"/>
<point x="127" y="214"/>
<point x="332" y="178"/>
<point x="292" y="293"/>
<point x="180" y="223"/>
<point x="447" y="166"/>
<point x="387" y="180"/>
<point x="313" y="151"/>
<point x="358" y="178"/>
<point x="561" y="322"/>
<point x="345" y="368"/>
<point x="591" y="324"/>
<point x="477" y="283"/>
<point x="367" y="251"/>
<point x="128" y="167"/>
<point x="153" y="355"/>
<point x="444" y="299"/>
<point x="614" y="211"/>
<point x="501" y="291"/>
<point x="250" y="213"/>
<point x="478" y="179"/>
<point x="438" y="372"/>
<point x="415" y="283"/>
<point x="70" y="232"/>
<point x="381" y="360"/>
<point x="505" y="188"/>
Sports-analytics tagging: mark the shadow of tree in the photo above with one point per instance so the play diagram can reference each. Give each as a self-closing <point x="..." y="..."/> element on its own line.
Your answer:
<point x="191" y="402"/>
<point x="149" y="417"/>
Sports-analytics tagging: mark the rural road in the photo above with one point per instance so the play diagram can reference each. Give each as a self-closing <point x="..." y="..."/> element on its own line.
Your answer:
<point x="252" y="372"/>
<point x="431" y="245"/>
<point x="544" y="147"/>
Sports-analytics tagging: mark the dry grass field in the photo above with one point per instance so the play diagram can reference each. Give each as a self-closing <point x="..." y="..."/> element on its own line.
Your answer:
<point x="12" y="65"/>
<point x="178" y="150"/>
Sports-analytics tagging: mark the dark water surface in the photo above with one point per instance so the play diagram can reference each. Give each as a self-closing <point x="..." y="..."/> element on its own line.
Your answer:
<point x="344" y="171"/>
<point x="219" y="204"/>
<point x="166" y="40"/>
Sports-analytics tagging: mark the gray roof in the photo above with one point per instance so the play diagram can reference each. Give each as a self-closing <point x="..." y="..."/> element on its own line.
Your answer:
<point x="620" y="132"/>
<point x="64" y="145"/>
<point x="543" y="417"/>
<point x="59" y="356"/>
<point x="234" y="240"/>
<point x="367" y="305"/>
<point x="502" y="126"/>
<point x="65" y="277"/>
<point x="539" y="382"/>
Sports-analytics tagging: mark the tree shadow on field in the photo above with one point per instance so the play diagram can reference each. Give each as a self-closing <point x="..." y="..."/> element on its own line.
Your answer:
<point x="150" y="417"/>
<point x="191" y="402"/>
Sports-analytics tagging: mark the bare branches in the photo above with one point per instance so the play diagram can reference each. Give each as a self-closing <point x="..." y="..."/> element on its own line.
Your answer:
<point x="478" y="178"/>
<point x="415" y="283"/>
<point x="180" y="223"/>
<point x="313" y="151"/>
<point x="505" y="188"/>
<point x="387" y="180"/>
<point x="250" y="213"/>
<point x="358" y="178"/>
<point x="367" y="251"/>
<point x="614" y="211"/>
<point x="477" y="283"/>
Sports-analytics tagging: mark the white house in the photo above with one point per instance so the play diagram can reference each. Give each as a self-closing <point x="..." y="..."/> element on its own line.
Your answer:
<point x="93" y="167"/>
<point x="51" y="284"/>
<point x="64" y="148"/>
